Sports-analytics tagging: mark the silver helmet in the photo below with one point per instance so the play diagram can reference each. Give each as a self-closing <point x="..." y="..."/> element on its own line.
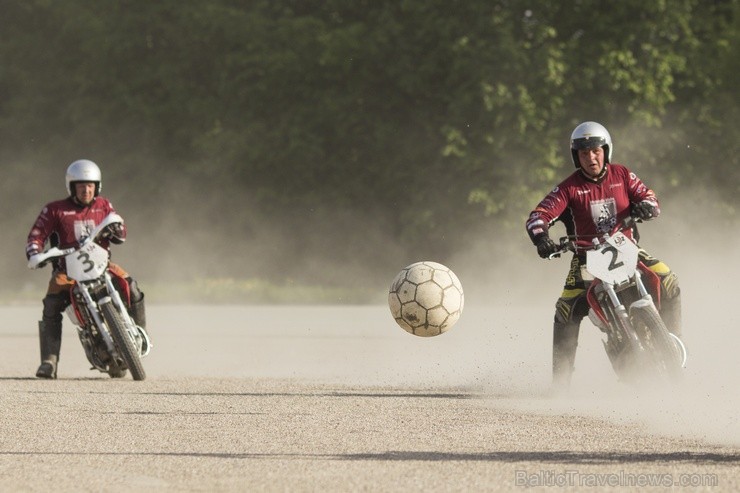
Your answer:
<point x="84" y="170"/>
<point x="588" y="135"/>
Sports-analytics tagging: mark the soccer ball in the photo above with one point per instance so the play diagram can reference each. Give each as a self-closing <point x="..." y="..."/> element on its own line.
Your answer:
<point x="426" y="299"/>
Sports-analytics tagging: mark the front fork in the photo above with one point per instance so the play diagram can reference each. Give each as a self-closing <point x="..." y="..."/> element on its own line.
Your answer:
<point x="621" y="312"/>
<point x="95" y="314"/>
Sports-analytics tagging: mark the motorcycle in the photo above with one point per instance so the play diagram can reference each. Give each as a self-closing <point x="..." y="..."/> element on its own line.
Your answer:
<point x="623" y="295"/>
<point x="112" y="341"/>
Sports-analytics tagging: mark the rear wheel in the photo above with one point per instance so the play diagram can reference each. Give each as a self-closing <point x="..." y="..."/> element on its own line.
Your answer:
<point x="126" y="346"/>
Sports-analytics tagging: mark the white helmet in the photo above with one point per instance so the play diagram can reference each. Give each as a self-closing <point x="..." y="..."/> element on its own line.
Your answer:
<point x="84" y="170"/>
<point x="588" y="135"/>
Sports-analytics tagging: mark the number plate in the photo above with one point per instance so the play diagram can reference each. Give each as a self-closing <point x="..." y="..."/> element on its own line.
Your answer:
<point x="87" y="263"/>
<point x="615" y="261"/>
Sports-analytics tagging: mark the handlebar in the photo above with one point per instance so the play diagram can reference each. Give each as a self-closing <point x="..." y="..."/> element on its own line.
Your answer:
<point x="41" y="259"/>
<point x="567" y="243"/>
<point x="574" y="243"/>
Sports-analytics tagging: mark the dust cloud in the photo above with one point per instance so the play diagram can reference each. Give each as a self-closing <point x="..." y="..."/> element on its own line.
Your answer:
<point x="700" y="247"/>
<point x="182" y="229"/>
<point x="501" y="347"/>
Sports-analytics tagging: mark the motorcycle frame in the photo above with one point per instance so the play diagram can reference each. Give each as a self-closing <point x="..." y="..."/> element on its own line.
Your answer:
<point x="113" y="296"/>
<point x="649" y="288"/>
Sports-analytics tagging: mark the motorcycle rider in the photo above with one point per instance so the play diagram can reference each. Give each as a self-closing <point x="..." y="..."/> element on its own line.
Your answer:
<point x="64" y="223"/>
<point x="590" y="202"/>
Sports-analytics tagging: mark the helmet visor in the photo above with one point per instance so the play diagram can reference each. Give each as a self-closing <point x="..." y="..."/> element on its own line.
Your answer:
<point x="588" y="143"/>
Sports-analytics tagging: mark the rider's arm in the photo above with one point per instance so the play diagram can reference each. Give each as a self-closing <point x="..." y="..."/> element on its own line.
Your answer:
<point x="40" y="232"/>
<point x="546" y="213"/>
<point x="644" y="202"/>
<point x="115" y="233"/>
<point x="540" y="219"/>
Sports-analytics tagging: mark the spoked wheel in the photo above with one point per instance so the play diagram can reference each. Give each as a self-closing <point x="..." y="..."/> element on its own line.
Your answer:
<point x="682" y="349"/>
<point x="664" y="352"/>
<point x="128" y="350"/>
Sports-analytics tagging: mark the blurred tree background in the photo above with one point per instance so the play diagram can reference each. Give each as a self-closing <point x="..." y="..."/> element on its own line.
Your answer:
<point x="333" y="142"/>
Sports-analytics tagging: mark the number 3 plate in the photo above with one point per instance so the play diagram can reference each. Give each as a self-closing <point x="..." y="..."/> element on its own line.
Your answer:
<point x="87" y="263"/>
<point x="615" y="261"/>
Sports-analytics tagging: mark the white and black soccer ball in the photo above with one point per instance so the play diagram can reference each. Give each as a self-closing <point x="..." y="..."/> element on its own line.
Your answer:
<point x="426" y="299"/>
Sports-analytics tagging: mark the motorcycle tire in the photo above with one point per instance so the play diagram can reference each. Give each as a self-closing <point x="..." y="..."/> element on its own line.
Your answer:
<point x="124" y="343"/>
<point x="664" y="353"/>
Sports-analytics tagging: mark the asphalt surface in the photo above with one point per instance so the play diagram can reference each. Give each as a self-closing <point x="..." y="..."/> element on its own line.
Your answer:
<point x="340" y="399"/>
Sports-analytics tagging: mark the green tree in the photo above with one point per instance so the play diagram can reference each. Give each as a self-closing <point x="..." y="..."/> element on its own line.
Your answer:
<point x="332" y="126"/>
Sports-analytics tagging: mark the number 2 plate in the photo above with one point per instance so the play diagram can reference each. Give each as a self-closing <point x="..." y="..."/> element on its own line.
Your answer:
<point x="615" y="261"/>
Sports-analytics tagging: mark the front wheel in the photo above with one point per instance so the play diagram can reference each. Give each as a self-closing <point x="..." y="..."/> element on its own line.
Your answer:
<point x="124" y="343"/>
<point x="666" y="356"/>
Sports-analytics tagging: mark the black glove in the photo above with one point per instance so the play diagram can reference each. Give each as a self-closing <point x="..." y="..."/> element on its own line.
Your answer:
<point x="545" y="246"/>
<point x="114" y="232"/>
<point x="645" y="210"/>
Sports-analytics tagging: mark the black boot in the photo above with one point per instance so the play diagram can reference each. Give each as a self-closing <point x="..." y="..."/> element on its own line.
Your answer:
<point x="670" y="310"/>
<point x="137" y="310"/>
<point x="50" y="342"/>
<point x="564" y="345"/>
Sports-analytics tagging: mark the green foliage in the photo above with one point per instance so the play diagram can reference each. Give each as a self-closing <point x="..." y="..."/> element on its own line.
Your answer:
<point x="432" y="116"/>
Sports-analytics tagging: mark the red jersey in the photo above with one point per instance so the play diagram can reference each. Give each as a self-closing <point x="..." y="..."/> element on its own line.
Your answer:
<point x="590" y="207"/>
<point x="65" y="222"/>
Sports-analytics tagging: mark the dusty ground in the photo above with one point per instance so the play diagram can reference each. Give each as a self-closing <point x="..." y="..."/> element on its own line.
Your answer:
<point x="341" y="399"/>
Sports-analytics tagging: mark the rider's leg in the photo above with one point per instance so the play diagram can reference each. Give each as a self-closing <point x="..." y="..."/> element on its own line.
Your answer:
<point x="670" y="296"/>
<point x="137" y="310"/>
<point x="50" y="333"/>
<point x="568" y="315"/>
<point x="564" y="344"/>
<point x="670" y="303"/>
<point x="670" y="310"/>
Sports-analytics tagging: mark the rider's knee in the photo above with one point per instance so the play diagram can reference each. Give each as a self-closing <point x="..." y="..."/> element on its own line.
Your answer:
<point x="668" y="278"/>
<point x="54" y="305"/>
<point x="571" y="310"/>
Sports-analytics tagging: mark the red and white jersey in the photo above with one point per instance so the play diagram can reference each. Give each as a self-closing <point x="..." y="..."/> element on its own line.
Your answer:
<point x="590" y="207"/>
<point x="65" y="222"/>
